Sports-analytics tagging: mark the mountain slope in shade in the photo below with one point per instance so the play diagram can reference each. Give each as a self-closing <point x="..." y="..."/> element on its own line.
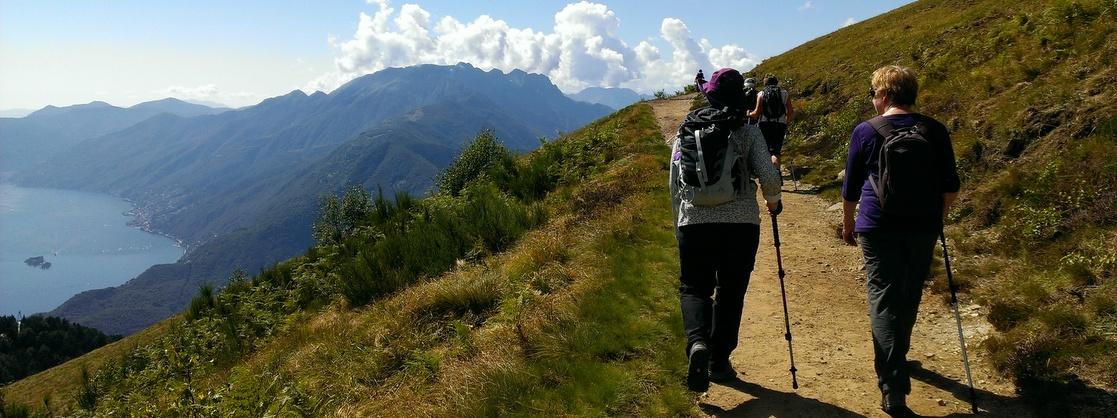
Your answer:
<point x="260" y="209"/>
<point x="613" y="97"/>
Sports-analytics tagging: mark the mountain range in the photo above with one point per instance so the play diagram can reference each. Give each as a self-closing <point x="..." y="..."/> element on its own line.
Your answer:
<point x="614" y="97"/>
<point x="33" y="139"/>
<point x="240" y="188"/>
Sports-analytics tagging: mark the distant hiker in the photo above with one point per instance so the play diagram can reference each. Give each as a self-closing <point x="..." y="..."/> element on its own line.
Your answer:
<point x="717" y="222"/>
<point x="750" y="100"/>
<point x="699" y="79"/>
<point x="774" y="111"/>
<point x="901" y="169"/>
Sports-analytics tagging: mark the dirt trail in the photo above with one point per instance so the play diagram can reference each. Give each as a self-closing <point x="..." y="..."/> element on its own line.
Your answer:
<point x="830" y="328"/>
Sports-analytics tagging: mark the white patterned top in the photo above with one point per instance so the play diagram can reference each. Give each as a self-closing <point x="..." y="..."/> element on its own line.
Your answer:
<point x="757" y="162"/>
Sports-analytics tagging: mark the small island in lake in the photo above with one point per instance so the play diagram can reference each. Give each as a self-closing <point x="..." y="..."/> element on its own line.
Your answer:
<point x="38" y="261"/>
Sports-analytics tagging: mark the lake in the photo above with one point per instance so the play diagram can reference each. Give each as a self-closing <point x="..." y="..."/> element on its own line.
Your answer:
<point x="85" y="238"/>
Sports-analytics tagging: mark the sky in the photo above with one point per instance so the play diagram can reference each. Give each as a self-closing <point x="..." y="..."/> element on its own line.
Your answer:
<point x="237" y="53"/>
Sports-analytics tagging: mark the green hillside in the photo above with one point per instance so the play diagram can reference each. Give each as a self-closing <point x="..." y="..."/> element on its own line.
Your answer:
<point x="507" y="293"/>
<point x="1029" y="91"/>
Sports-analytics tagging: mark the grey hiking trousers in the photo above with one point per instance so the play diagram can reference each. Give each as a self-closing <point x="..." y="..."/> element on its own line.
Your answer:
<point x="896" y="264"/>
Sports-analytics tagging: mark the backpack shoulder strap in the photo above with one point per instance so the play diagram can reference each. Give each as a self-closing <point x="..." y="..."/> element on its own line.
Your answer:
<point x="882" y="126"/>
<point x="701" y="166"/>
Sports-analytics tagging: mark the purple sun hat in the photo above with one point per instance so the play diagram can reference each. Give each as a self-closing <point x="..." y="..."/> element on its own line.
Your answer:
<point x="725" y="89"/>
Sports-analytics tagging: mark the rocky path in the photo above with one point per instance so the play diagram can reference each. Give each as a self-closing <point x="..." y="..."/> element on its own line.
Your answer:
<point x="830" y="328"/>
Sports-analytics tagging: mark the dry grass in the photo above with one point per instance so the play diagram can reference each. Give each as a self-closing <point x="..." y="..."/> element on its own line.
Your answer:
<point x="59" y="382"/>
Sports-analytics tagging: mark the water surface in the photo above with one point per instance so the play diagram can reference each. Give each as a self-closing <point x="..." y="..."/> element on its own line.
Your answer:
<point x="83" y="235"/>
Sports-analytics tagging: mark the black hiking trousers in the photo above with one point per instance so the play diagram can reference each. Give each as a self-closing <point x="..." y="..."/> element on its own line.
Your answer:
<point x="716" y="256"/>
<point x="897" y="263"/>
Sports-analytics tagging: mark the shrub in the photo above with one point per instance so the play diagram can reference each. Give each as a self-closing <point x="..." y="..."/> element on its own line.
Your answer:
<point x="475" y="159"/>
<point x="338" y="217"/>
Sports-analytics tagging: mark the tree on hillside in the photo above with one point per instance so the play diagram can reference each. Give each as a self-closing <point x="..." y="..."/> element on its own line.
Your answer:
<point x="41" y="342"/>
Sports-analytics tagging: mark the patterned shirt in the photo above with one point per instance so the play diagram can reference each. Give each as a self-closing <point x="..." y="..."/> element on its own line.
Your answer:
<point x="757" y="162"/>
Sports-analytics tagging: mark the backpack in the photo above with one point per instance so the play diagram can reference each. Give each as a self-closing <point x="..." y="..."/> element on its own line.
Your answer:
<point x="773" y="107"/>
<point x="908" y="184"/>
<point x="750" y="99"/>
<point x="709" y="172"/>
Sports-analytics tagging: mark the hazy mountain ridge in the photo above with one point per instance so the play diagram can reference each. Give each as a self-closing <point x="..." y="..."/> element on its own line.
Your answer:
<point x="35" y="138"/>
<point x="241" y="187"/>
<point x="614" y="97"/>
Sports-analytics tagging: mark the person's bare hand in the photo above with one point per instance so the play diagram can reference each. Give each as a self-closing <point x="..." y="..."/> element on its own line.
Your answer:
<point x="847" y="233"/>
<point x="774" y="208"/>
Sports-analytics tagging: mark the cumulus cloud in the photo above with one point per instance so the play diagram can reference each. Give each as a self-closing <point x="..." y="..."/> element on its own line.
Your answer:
<point x="848" y="22"/>
<point x="806" y="6"/>
<point x="207" y="93"/>
<point x="583" y="48"/>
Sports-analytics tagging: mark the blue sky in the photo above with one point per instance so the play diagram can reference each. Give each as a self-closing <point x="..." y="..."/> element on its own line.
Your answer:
<point x="240" y="52"/>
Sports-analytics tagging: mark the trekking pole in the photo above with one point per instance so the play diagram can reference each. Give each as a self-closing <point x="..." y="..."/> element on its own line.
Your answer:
<point x="783" y="294"/>
<point x="958" y="320"/>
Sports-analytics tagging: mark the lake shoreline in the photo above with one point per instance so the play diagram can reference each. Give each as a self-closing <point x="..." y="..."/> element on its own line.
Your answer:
<point x="80" y="237"/>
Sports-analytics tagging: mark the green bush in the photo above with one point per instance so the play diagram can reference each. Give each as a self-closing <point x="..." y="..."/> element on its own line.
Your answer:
<point x="474" y="160"/>
<point x="428" y="240"/>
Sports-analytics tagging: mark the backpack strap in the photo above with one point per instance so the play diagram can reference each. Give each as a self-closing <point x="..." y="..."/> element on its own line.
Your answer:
<point x="882" y="126"/>
<point x="701" y="166"/>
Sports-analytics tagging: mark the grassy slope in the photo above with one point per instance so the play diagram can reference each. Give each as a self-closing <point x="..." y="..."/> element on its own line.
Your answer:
<point x="59" y="383"/>
<point x="1028" y="90"/>
<point x="578" y="317"/>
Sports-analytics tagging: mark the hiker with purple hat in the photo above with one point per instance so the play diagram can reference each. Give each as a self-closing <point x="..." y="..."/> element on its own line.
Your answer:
<point x="717" y="221"/>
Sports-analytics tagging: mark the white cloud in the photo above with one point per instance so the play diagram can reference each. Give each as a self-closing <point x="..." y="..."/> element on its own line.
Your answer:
<point x="848" y="22"/>
<point x="208" y="93"/>
<point x="582" y="50"/>
<point x="806" y="6"/>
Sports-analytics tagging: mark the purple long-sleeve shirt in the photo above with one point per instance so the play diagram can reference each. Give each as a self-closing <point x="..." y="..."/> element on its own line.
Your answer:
<point x="862" y="162"/>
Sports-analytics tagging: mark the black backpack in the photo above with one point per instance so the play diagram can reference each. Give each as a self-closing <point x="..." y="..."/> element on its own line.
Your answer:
<point x="773" y="107"/>
<point x="750" y="99"/>
<point x="707" y="155"/>
<point x="908" y="183"/>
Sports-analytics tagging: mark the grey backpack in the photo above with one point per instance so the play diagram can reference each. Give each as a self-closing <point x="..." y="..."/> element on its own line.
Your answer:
<point x="709" y="164"/>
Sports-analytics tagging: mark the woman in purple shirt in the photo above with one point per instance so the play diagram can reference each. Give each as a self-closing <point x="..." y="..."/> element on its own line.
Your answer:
<point x="897" y="247"/>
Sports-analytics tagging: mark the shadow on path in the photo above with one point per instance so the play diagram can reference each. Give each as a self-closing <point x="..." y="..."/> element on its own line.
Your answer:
<point x="771" y="403"/>
<point x="988" y="403"/>
<point x="1084" y="400"/>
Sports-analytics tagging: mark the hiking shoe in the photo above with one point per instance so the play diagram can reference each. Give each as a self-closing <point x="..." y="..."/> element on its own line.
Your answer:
<point x="698" y="371"/>
<point x="722" y="372"/>
<point x="895" y="406"/>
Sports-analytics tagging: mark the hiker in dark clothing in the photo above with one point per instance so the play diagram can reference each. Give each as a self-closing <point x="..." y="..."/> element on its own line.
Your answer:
<point x="718" y="237"/>
<point x="774" y="111"/>
<point x="897" y="244"/>
<point x="751" y="94"/>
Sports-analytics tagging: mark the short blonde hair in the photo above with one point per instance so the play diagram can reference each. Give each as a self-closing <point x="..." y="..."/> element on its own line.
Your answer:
<point x="897" y="83"/>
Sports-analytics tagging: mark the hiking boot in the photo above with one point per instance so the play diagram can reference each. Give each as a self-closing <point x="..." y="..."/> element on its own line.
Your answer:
<point x="697" y="375"/>
<point x="722" y="372"/>
<point x="895" y="406"/>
